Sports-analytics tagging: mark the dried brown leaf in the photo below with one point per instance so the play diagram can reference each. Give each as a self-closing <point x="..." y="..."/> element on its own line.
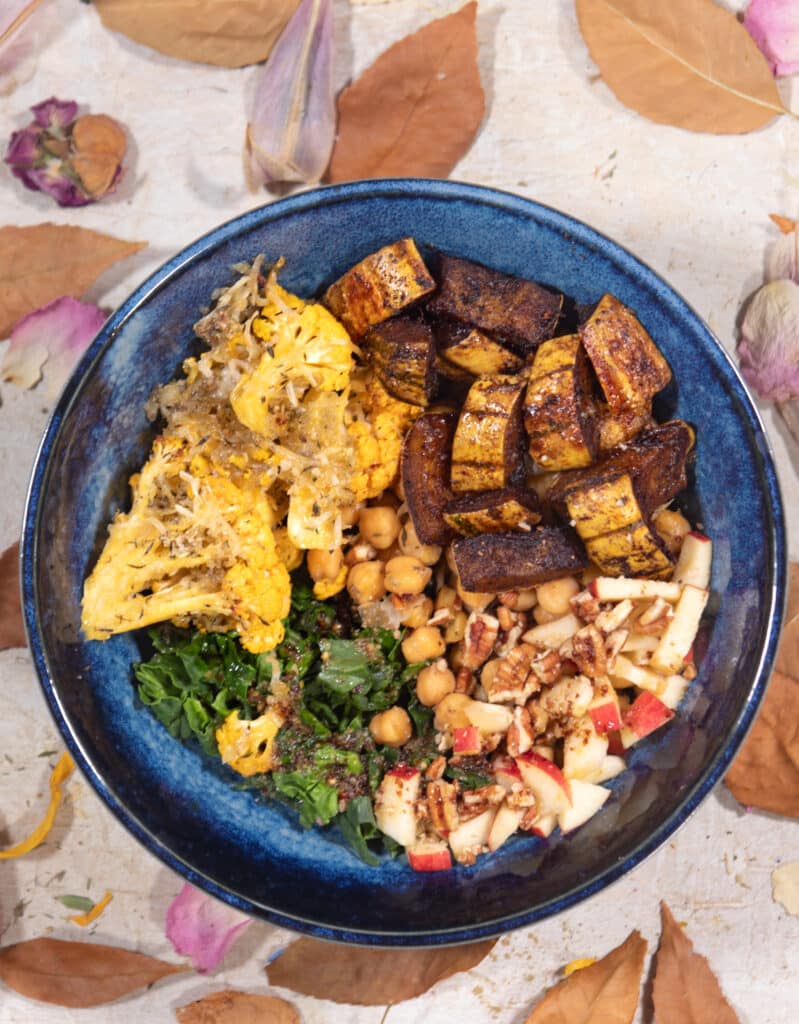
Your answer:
<point x="369" y="977"/>
<point x="788" y="653"/>
<point x="12" y="631"/>
<point x="688" y="63"/>
<point x="416" y="110"/>
<point x="46" y="261"/>
<point x="686" y="990"/>
<point x="78" y="974"/>
<point x="604" y="993"/>
<point x="231" y="1007"/>
<point x="229" y="34"/>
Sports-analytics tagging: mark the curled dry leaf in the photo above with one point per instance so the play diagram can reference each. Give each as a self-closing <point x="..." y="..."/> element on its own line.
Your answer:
<point x="45" y="261"/>
<point x="12" y="630"/>
<point x="416" y="110"/>
<point x="230" y="34"/>
<point x="765" y="773"/>
<point x="687" y="63"/>
<point x="369" y="977"/>
<point x="231" y="1007"/>
<point x="686" y="990"/>
<point x="78" y="974"/>
<point x="785" y="886"/>
<point x="606" y="992"/>
<point x="203" y="928"/>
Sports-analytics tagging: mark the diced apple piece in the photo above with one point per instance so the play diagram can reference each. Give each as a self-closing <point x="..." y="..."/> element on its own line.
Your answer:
<point x="616" y="747"/>
<point x="466" y="741"/>
<point x="546" y="781"/>
<point x="505" y="823"/>
<point x="678" y="639"/>
<point x="604" y="708"/>
<point x="395" y="801"/>
<point x="615" y="617"/>
<point x="640" y="642"/>
<point x="553" y="634"/>
<point x="674" y="691"/>
<point x="488" y="718"/>
<point x="646" y="713"/>
<point x="625" y="672"/>
<point x="470" y="836"/>
<point x="429" y="855"/>
<point x="584" y="750"/>
<point x="544" y="750"/>
<point x="587" y="799"/>
<point x="612" y="766"/>
<point x="506" y="772"/>
<point x="694" y="564"/>
<point x="622" y="588"/>
<point x="544" y="825"/>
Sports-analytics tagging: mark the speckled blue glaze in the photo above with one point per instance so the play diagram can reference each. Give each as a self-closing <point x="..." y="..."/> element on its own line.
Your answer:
<point x="179" y="804"/>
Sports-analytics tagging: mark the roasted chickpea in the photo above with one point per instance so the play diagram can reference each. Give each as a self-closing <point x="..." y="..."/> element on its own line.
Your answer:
<point x="422" y="644"/>
<point x="455" y="629"/>
<point x="365" y="582"/>
<point x="410" y="544"/>
<point x="451" y="712"/>
<point x="488" y="671"/>
<point x="541" y="615"/>
<point x="671" y="527"/>
<point x="391" y="727"/>
<point x="418" y="612"/>
<point x="406" y="575"/>
<point x="380" y="526"/>
<point x="434" y="682"/>
<point x="555" y="596"/>
<point x="324" y="565"/>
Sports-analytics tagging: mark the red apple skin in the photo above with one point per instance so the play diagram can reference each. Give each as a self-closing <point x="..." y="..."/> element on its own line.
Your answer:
<point x="699" y="536"/>
<point x="437" y="859"/>
<point x="506" y="771"/>
<point x="466" y="740"/>
<point x="592" y="588"/>
<point x="606" y="717"/>
<point x="646" y="713"/>
<point x="615" y="745"/>
<point x="549" y="768"/>
<point x="403" y="771"/>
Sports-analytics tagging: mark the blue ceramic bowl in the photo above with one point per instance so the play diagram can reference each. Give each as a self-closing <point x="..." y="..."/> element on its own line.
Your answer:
<point x="181" y="805"/>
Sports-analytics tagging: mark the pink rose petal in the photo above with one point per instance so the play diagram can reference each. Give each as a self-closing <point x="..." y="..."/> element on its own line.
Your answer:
<point x="202" y="928"/>
<point x="56" y="334"/>
<point x="774" y="26"/>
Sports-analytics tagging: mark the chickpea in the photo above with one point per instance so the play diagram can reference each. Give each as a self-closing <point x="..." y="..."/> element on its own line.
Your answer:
<point x="446" y="598"/>
<point x="391" y="727"/>
<point x="386" y="554"/>
<point x="555" y="596"/>
<point x="410" y="544"/>
<point x="380" y="526"/>
<point x="424" y="643"/>
<point x="451" y="712"/>
<point x="406" y="575"/>
<point x="434" y="683"/>
<point x="455" y="629"/>
<point x="325" y="565"/>
<point x="489" y="671"/>
<point x="365" y="582"/>
<point x="418" y="612"/>
<point x="671" y="527"/>
<point x="541" y="615"/>
<point x="456" y="655"/>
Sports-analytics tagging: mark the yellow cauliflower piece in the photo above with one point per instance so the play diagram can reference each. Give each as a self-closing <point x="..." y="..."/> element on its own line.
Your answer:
<point x="377" y="430"/>
<point x="246" y="746"/>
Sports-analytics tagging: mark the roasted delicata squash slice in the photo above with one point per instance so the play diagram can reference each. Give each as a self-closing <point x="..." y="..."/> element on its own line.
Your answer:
<point x="425" y="468"/>
<point x="511" y="508"/>
<point x="381" y="285"/>
<point x="487" y="447"/>
<point x="559" y="411"/>
<point x="473" y="351"/>
<point x="629" y="366"/>
<point x="511" y="310"/>
<point x="617" y="428"/>
<point x="495" y="562"/>
<point x="402" y="353"/>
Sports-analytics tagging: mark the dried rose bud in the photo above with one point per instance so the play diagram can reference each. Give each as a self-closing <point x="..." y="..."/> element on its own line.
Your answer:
<point x="774" y="26"/>
<point x="769" y="345"/>
<point x="76" y="160"/>
<point x="782" y="261"/>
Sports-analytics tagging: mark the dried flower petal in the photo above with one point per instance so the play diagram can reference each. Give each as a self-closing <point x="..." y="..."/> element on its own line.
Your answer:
<point x="785" y="887"/>
<point x="59" y="775"/>
<point x="56" y="334"/>
<point x="774" y="26"/>
<point x="93" y="912"/>
<point x="203" y="928"/>
<point x="76" y="160"/>
<point x="769" y="344"/>
<point x="782" y="261"/>
<point x="291" y="133"/>
<point x="17" y="42"/>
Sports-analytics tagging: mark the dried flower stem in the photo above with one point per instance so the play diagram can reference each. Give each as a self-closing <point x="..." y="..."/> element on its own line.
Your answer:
<point x="20" y="20"/>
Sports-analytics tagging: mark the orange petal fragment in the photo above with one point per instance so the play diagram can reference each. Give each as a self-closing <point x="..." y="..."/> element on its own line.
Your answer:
<point x="94" y="913"/>
<point x="785" y="224"/>
<point x="578" y="965"/>
<point x="60" y="773"/>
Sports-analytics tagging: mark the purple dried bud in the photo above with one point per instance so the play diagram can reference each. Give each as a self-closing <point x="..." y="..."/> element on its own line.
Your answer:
<point x="54" y="114"/>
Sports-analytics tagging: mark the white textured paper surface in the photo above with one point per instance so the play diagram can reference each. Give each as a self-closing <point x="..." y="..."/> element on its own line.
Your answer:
<point x="694" y="207"/>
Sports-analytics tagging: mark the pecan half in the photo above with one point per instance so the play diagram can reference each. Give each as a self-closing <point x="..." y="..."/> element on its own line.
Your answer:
<point x="442" y="806"/>
<point x="481" y="635"/>
<point x="588" y="651"/>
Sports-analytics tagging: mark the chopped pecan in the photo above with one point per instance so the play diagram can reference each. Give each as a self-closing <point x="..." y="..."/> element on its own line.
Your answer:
<point x="440" y="617"/>
<point x="539" y="719"/>
<point x="464" y="680"/>
<point x="518" y="798"/>
<point x="475" y="801"/>
<point x="610" y="619"/>
<point x="546" y="666"/>
<point x="520" y="735"/>
<point x="481" y="635"/>
<point x="442" y="806"/>
<point x="512" y="679"/>
<point x="507" y="641"/>
<point x="588" y="650"/>
<point x="529" y="819"/>
<point x="436" y="768"/>
<point x="585" y="606"/>
<point x="613" y="644"/>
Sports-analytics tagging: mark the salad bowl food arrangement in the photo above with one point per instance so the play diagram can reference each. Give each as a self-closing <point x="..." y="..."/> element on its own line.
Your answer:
<point x="404" y="562"/>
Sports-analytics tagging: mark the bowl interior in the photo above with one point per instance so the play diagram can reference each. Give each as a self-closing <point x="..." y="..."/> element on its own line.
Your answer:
<point x="252" y="853"/>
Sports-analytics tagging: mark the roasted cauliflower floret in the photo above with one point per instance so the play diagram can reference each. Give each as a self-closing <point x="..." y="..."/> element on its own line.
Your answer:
<point x="378" y="426"/>
<point x="246" y="746"/>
